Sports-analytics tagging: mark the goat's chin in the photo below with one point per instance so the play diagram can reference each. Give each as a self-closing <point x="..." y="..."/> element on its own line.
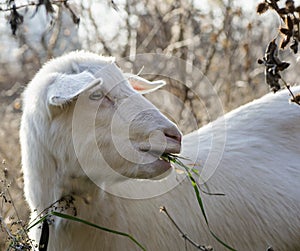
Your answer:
<point x="156" y="170"/>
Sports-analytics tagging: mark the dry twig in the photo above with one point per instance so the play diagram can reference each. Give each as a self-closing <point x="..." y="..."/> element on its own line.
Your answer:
<point x="184" y="235"/>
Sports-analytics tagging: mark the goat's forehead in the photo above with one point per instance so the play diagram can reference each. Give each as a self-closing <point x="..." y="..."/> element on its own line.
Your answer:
<point x="117" y="88"/>
<point x="91" y="67"/>
<point x="113" y="80"/>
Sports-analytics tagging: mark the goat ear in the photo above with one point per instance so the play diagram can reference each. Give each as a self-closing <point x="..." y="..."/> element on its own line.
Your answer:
<point x="66" y="87"/>
<point x="142" y="85"/>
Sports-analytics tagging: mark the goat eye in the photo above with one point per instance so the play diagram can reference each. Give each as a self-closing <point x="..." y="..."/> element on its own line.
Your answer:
<point x="96" y="95"/>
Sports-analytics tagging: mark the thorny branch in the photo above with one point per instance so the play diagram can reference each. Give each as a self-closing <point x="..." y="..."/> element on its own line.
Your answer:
<point x="10" y="8"/>
<point x="16" y="18"/>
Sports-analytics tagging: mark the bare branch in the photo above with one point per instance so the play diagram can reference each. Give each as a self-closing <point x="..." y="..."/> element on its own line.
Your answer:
<point x="184" y="235"/>
<point x="31" y="4"/>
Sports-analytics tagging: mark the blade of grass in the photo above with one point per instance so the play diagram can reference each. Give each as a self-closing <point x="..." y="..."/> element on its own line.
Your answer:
<point x="73" y="218"/>
<point x="69" y="217"/>
<point x="175" y="160"/>
<point x="33" y="224"/>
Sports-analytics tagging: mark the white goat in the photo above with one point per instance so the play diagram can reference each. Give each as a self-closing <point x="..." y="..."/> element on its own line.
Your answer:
<point x="83" y="125"/>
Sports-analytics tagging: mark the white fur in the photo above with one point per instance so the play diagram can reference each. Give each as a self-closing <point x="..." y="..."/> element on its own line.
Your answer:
<point x="259" y="170"/>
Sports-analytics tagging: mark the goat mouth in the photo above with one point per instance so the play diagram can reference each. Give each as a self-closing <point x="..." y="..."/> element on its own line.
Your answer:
<point x="165" y="161"/>
<point x="172" y="146"/>
<point x="160" y="165"/>
<point x="156" y="170"/>
<point x="159" y="168"/>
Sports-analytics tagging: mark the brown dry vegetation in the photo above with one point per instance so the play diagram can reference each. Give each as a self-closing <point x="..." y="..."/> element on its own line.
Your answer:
<point x="10" y="171"/>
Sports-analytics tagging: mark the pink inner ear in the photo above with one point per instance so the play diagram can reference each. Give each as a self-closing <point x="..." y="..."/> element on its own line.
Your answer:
<point x="138" y="88"/>
<point x="136" y="85"/>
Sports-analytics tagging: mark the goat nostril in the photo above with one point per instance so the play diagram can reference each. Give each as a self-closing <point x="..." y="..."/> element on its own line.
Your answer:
<point x="173" y="133"/>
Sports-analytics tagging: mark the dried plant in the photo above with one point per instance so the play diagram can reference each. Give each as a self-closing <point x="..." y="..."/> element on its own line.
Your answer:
<point x="290" y="34"/>
<point x="273" y="66"/>
<point x="15" y="230"/>
<point x="290" y="14"/>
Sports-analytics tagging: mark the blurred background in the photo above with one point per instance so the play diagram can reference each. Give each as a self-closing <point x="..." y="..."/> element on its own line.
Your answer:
<point x="222" y="39"/>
